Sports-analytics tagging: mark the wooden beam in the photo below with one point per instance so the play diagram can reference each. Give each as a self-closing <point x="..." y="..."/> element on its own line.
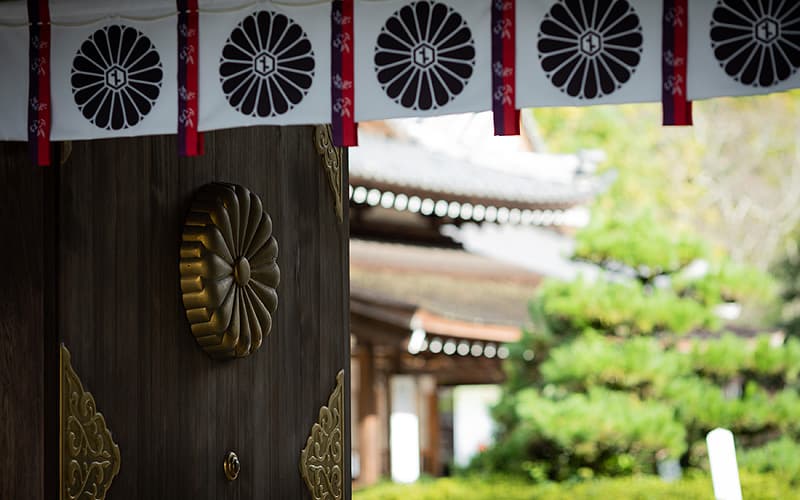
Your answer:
<point x="453" y="370"/>
<point x="436" y="324"/>
<point x="366" y="329"/>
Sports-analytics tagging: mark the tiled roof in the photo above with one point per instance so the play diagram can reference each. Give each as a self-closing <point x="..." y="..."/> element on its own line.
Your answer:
<point x="472" y="173"/>
<point x="408" y="168"/>
<point x="448" y="282"/>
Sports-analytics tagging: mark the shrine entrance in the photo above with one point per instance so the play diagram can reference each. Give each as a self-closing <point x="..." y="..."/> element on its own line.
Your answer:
<point x="109" y="383"/>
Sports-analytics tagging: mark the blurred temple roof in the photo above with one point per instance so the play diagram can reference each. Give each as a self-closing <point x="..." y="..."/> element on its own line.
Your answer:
<point x="452" y="230"/>
<point x="450" y="167"/>
<point x="450" y="283"/>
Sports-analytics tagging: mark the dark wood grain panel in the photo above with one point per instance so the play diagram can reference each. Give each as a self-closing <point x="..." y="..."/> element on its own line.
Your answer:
<point x="23" y="290"/>
<point x="173" y="411"/>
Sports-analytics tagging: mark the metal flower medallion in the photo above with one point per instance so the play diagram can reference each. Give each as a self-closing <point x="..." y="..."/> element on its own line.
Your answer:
<point x="229" y="272"/>
<point x="590" y="49"/>
<point x="424" y="55"/>
<point x="757" y="42"/>
<point x="116" y="77"/>
<point x="267" y="65"/>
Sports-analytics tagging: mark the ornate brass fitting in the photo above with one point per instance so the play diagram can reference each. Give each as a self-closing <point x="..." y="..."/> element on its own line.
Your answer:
<point x="89" y="458"/>
<point x="231" y="466"/>
<point x="322" y="460"/>
<point x="229" y="270"/>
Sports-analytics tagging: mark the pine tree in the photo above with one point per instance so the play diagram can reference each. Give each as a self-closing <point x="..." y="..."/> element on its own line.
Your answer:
<point x="633" y="368"/>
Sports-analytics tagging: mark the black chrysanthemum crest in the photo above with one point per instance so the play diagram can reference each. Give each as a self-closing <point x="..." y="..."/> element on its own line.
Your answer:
<point x="424" y="55"/>
<point x="267" y="65"/>
<point x="116" y="77"/>
<point x="590" y="48"/>
<point x="757" y="42"/>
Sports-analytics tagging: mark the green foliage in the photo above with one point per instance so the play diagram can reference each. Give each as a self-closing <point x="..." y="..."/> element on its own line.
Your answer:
<point x="448" y="488"/>
<point x="631" y="367"/>
<point x="730" y="177"/>
<point x="616" y="386"/>
<point x="654" y="163"/>
<point x="577" y="417"/>
<point x="638" y="487"/>
<point x="723" y="358"/>
<point x="556" y="434"/>
<point x="726" y="282"/>
<point x="702" y="406"/>
<point x="780" y="456"/>
<point x="640" y="365"/>
<point x="640" y="242"/>
<point x="621" y="425"/>
<point x="689" y="382"/>
<point x="788" y="272"/>
<point x="620" y="308"/>
<point x="568" y="424"/>
<point x="732" y="356"/>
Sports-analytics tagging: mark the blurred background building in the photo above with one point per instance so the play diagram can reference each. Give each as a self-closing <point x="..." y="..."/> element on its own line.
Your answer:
<point x="451" y="231"/>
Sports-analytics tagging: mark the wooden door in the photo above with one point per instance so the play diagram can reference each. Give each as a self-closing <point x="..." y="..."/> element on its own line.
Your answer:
<point x="106" y="227"/>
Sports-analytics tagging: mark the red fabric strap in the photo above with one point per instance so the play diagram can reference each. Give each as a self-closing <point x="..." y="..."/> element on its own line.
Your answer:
<point x="39" y="98"/>
<point x="506" y="115"/>
<point x="677" y="109"/>
<point x="343" y="95"/>
<point x="190" y="140"/>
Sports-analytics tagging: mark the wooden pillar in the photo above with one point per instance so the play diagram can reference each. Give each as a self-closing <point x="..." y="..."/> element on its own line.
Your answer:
<point x="384" y="410"/>
<point x="433" y="465"/>
<point x="368" y="435"/>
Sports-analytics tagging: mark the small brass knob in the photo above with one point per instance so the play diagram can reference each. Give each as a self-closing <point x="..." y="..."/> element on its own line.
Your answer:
<point x="231" y="466"/>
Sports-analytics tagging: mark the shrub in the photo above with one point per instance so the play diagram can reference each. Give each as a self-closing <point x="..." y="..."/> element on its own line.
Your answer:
<point x="696" y="487"/>
<point x="605" y="432"/>
<point x="781" y="456"/>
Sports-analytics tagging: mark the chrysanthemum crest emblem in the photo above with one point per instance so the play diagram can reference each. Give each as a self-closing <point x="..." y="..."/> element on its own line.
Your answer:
<point x="229" y="270"/>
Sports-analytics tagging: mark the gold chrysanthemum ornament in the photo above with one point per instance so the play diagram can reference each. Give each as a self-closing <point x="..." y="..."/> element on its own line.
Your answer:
<point x="229" y="270"/>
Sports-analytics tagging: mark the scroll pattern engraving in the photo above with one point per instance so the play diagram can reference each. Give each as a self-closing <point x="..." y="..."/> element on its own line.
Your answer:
<point x="322" y="460"/>
<point x="89" y="457"/>
<point x="332" y="162"/>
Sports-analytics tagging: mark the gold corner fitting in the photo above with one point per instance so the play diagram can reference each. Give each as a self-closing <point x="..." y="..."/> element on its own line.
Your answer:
<point x="88" y="457"/>
<point x="332" y="162"/>
<point x="322" y="460"/>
